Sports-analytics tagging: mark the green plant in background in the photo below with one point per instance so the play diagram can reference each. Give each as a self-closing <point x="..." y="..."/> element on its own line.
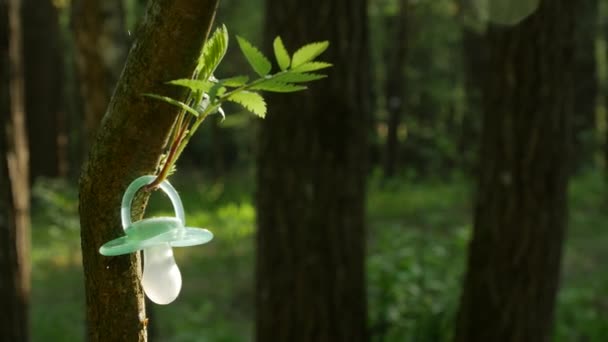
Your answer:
<point x="207" y="93"/>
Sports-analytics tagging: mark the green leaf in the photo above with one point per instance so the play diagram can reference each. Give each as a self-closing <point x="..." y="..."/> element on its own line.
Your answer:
<point x="194" y="85"/>
<point x="308" y="52"/>
<point x="311" y="66"/>
<point x="278" y="87"/>
<point x="260" y="64"/>
<point x="236" y="81"/>
<point x="281" y="54"/>
<point x="176" y="103"/>
<point x="217" y="90"/>
<point x="213" y="53"/>
<point x="296" y="77"/>
<point x="253" y="102"/>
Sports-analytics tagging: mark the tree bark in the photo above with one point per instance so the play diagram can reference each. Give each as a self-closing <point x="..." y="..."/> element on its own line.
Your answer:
<point x="475" y="65"/>
<point x="395" y="85"/>
<point x="586" y="89"/>
<point x="312" y="160"/>
<point x="44" y="88"/>
<point x="129" y="144"/>
<point x="101" y="47"/>
<point x="14" y="179"/>
<point x="520" y="215"/>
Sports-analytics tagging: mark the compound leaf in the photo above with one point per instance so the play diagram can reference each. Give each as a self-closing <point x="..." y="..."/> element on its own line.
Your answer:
<point x="308" y="52"/>
<point x="260" y="64"/>
<point x="281" y="54"/>
<point x="251" y="101"/>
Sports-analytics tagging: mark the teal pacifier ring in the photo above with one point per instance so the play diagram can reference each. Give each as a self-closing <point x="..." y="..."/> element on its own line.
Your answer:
<point x="153" y="231"/>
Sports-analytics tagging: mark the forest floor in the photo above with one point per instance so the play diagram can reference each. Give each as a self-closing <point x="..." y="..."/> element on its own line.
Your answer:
<point x="417" y="239"/>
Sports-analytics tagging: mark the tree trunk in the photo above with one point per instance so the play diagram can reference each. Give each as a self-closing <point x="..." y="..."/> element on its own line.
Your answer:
<point x="101" y="46"/>
<point x="129" y="144"/>
<point x="475" y="65"/>
<point x="43" y="87"/>
<point x="395" y="85"/>
<point x="586" y="86"/>
<point x="14" y="181"/>
<point x="311" y="184"/>
<point x="520" y="215"/>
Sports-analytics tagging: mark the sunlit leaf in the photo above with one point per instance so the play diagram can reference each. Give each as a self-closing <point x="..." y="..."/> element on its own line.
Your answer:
<point x="311" y="66"/>
<point x="308" y="52"/>
<point x="281" y="54"/>
<point x="253" y="102"/>
<point x="278" y="87"/>
<point x="213" y="53"/>
<point x="236" y="81"/>
<point x="295" y="77"/>
<point x="260" y="64"/>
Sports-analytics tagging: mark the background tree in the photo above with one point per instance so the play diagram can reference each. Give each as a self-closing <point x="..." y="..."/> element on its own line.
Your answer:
<point x="14" y="183"/>
<point x="101" y="46"/>
<point x="520" y="215"/>
<point x="44" y="75"/>
<point x="129" y="144"/>
<point x="475" y="66"/>
<point x="395" y="83"/>
<point x="586" y="90"/>
<point x="311" y="184"/>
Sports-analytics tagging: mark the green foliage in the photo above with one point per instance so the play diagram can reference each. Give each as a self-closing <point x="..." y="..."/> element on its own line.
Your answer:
<point x="207" y="93"/>
<point x="214" y="51"/>
<point x="278" y="87"/>
<point x="260" y="64"/>
<point x="307" y="53"/>
<point x="253" y="102"/>
<point x="297" y="77"/>
<point x="417" y="244"/>
<point x="311" y="66"/>
<point x="281" y="54"/>
<point x="237" y="81"/>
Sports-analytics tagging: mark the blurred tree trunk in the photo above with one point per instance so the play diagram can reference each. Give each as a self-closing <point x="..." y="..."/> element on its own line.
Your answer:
<point x="101" y="46"/>
<point x="44" y="88"/>
<point x="311" y="184"/>
<point x="14" y="184"/>
<point x="586" y="86"/>
<point x="129" y="144"/>
<point x="395" y="84"/>
<point x="475" y="66"/>
<point x="520" y="215"/>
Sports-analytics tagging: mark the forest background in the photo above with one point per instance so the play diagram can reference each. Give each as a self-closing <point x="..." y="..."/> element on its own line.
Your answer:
<point x="429" y="64"/>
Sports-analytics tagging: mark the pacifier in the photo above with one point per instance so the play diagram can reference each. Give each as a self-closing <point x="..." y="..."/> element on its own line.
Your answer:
<point x="162" y="280"/>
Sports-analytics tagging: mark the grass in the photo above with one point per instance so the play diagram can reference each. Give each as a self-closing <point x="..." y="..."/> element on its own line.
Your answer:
<point x="418" y="234"/>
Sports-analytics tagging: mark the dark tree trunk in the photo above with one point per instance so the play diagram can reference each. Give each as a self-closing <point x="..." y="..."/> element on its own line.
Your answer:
<point x="395" y="84"/>
<point x="311" y="184"/>
<point x="129" y="144"/>
<point x="44" y="88"/>
<point x="101" y="46"/>
<point x="14" y="184"/>
<point x="586" y="86"/>
<point x="520" y="216"/>
<point x="475" y="66"/>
